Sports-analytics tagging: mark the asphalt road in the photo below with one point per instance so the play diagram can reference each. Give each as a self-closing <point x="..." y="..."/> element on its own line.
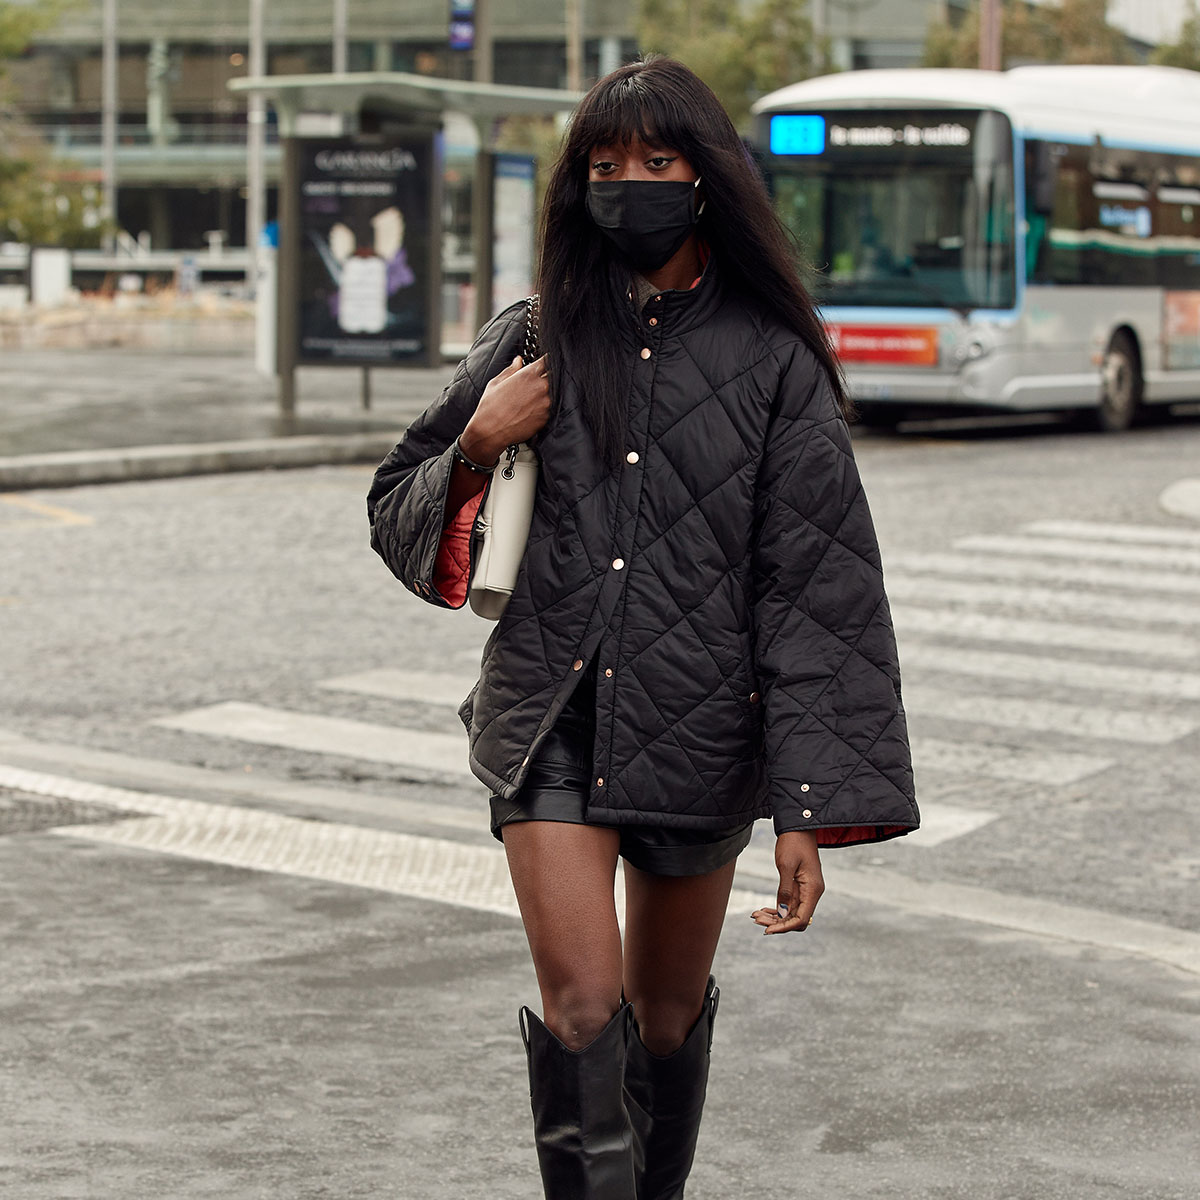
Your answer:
<point x="259" y="943"/>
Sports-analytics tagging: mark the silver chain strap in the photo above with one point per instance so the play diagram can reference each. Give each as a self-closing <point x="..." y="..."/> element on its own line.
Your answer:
<point x="532" y="349"/>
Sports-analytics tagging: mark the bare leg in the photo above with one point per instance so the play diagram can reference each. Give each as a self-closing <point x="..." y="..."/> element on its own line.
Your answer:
<point x="563" y="875"/>
<point x="672" y="926"/>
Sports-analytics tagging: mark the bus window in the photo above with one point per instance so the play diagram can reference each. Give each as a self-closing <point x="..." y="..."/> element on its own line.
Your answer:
<point x="1098" y="233"/>
<point x="1177" y="218"/>
<point x="926" y="222"/>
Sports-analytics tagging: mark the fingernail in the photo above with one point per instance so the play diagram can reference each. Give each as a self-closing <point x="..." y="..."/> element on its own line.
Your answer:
<point x="783" y="910"/>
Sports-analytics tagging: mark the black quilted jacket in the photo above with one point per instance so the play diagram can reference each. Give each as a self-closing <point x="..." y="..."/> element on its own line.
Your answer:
<point x="726" y="580"/>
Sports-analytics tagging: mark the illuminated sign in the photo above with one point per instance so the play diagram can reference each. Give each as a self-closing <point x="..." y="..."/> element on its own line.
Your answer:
<point x="914" y="346"/>
<point x="462" y="24"/>
<point x="948" y="133"/>
<point x="798" y="133"/>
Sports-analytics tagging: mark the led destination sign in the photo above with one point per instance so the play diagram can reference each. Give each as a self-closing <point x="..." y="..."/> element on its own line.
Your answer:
<point x="812" y="133"/>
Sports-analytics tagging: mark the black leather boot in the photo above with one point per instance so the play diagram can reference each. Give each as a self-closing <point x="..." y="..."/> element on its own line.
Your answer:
<point x="584" y="1142"/>
<point x="665" y="1099"/>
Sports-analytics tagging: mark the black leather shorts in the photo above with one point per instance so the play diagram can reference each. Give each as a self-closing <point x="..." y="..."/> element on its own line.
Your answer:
<point x="557" y="786"/>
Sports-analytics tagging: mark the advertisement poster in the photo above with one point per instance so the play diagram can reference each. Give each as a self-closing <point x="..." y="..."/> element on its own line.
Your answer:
<point x="1181" y="329"/>
<point x="365" y="270"/>
<point x="512" y="248"/>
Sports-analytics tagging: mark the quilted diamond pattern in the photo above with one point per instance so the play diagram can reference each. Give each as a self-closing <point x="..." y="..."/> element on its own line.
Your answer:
<point x="748" y="665"/>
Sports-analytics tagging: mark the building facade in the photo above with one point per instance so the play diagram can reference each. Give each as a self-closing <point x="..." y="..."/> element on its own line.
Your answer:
<point x="181" y="154"/>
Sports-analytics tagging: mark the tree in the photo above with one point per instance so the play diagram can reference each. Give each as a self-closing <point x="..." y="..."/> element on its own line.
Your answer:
<point x="741" y="51"/>
<point x="43" y="201"/>
<point x="1072" y="31"/>
<point x="1185" y="52"/>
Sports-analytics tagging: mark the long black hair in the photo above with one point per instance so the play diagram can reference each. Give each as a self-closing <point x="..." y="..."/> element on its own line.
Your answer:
<point x="583" y="283"/>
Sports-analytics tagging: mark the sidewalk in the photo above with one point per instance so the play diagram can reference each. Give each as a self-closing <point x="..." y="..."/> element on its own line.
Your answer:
<point x="98" y="416"/>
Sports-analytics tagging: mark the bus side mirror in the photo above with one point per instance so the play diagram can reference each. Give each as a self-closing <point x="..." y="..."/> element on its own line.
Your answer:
<point x="1044" y="164"/>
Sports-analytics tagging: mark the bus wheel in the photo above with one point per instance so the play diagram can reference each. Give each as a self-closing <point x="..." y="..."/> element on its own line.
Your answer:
<point x="1121" y="386"/>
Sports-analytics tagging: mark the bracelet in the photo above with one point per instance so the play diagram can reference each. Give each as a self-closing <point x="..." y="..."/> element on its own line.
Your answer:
<point x="470" y="463"/>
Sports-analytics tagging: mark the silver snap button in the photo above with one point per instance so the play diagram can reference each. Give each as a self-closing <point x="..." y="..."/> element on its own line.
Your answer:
<point x="646" y="352"/>
<point x="618" y="564"/>
<point x="608" y="672"/>
<point x="577" y="665"/>
<point x="807" y="813"/>
<point x="804" y="787"/>
<point x="632" y="456"/>
<point x="600" y="781"/>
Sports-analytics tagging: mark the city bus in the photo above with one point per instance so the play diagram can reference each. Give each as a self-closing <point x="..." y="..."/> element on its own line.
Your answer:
<point x="1025" y="240"/>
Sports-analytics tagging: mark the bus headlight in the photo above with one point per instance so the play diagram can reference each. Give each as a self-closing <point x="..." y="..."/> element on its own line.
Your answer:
<point x="970" y="351"/>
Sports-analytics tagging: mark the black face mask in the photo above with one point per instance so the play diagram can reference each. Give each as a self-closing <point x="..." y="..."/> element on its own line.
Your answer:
<point x="646" y="219"/>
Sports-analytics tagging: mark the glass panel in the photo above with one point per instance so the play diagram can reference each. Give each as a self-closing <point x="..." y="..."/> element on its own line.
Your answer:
<point x="908" y="235"/>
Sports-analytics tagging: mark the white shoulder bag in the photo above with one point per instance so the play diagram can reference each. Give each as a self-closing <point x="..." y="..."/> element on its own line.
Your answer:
<point x="507" y="510"/>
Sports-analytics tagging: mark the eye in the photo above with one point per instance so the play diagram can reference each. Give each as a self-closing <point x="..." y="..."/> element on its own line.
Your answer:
<point x="603" y="166"/>
<point x="660" y="162"/>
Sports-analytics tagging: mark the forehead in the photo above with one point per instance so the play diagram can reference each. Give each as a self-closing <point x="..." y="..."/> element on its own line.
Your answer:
<point x="635" y="144"/>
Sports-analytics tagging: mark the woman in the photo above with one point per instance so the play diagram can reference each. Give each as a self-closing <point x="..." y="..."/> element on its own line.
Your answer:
<point x="699" y="635"/>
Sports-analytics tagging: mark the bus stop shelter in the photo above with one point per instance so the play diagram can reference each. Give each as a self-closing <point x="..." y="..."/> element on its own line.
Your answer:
<point x="378" y="124"/>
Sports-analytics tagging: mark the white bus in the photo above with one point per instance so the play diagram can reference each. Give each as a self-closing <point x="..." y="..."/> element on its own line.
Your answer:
<point x="1016" y="241"/>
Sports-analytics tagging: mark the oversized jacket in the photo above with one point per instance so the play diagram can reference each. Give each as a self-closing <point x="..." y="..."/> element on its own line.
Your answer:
<point x="725" y="579"/>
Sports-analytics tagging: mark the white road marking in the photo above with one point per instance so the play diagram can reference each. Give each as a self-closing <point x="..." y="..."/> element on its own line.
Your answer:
<point x="1164" y="534"/>
<point x="426" y="687"/>
<point x="984" y="628"/>
<point x="1046" y="671"/>
<point x="1076" y="720"/>
<point x="993" y="761"/>
<point x="945" y="822"/>
<point x="1060" y="602"/>
<point x="422" y="868"/>
<point x="447" y="872"/>
<point x="1070" y="574"/>
<point x="438" y="754"/>
<point x="1155" y="556"/>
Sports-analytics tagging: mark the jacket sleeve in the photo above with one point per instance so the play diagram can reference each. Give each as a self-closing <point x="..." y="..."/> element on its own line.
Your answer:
<point x="406" y="505"/>
<point x="835" y="737"/>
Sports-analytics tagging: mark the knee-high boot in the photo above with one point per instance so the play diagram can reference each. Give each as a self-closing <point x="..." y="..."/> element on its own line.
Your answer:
<point x="580" y="1125"/>
<point x="665" y="1098"/>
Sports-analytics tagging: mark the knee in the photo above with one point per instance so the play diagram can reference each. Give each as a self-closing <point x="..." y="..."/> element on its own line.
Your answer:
<point x="664" y="1024"/>
<point x="578" y="1015"/>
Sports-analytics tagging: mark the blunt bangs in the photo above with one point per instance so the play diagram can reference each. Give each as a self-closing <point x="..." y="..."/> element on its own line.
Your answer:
<point x="628" y="111"/>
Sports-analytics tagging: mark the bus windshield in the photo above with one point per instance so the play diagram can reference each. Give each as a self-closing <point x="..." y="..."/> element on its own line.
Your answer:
<point x="908" y="225"/>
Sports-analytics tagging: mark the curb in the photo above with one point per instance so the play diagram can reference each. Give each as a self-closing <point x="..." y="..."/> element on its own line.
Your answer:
<point x="1182" y="499"/>
<point x="73" y="468"/>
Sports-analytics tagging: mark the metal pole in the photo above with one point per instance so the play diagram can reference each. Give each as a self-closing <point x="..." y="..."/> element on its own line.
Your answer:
<point x="820" y="30"/>
<point x="483" y="41"/>
<point x="574" y="21"/>
<point x="990" y="53"/>
<point x="108" y="121"/>
<point x="340" y="21"/>
<point x="256" y="129"/>
<point x="288" y="311"/>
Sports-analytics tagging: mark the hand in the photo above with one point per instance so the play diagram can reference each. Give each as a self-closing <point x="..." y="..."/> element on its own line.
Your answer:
<point x="513" y="407"/>
<point x="800" y="884"/>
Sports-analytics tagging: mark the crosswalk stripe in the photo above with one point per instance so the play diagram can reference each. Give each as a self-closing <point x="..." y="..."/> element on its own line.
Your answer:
<point x="1048" y="601"/>
<point x="1157" y="556"/>
<point x="448" y="872"/>
<point x="992" y="761"/>
<point x="425" y="687"/>
<point x="1075" y="720"/>
<point x="438" y="754"/>
<point x="423" y="868"/>
<point x="431" y="754"/>
<point x="1164" y="534"/>
<point x="1072" y="574"/>
<point x="984" y="628"/>
<point x="1041" y="669"/>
